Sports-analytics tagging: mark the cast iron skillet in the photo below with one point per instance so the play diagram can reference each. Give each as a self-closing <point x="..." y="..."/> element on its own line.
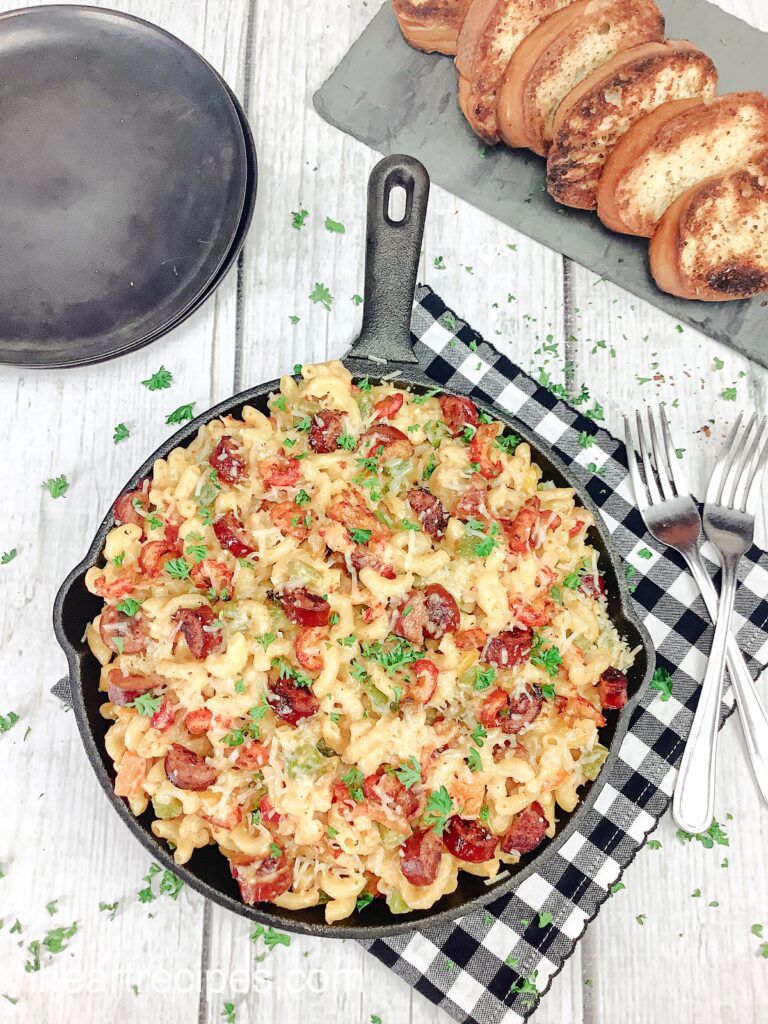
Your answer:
<point x="392" y="254"/>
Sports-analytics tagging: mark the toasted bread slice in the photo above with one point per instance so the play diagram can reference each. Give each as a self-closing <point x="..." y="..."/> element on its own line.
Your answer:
<point x="492" y="31"/>
<point x="712" y="242"/>
<point x="431" y="25"/>
<point x="560" y="53"/>
<point x="594" y="116"/>
<point x="671" y="150"/>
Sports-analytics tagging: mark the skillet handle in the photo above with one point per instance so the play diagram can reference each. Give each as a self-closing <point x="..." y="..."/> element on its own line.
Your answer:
<point x="392" y="253"/>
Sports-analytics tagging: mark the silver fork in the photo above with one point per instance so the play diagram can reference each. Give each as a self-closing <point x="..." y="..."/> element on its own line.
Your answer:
<point x="672" y="517"/>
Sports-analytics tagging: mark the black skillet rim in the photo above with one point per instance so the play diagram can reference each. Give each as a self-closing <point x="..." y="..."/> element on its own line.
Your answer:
<point x="624" y="616"/>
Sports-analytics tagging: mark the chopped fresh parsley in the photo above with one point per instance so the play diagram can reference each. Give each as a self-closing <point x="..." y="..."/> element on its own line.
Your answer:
<point x="159" y="380"/>
<point x="645" y="553"/>
<point x="474" y="761"/>
<point x="548" y="659"/>
<point x="545" y="918"/>
<point x="430" y="467"/>
<point x="322" y="295"/>
<point x="275" y="850"/>
<point x="506" y="443"/>
<point x="479" y="734"/>
<point x="548" y="691"/>
<point x="298" y="217"/>
<point x="406" y="524"/>
<point x="347" y="442"/>
<point x="715" y="834"/>
<point x="287" y="671"/>
<point x="110" y="908"/>
<point x="654" y="844"/>
<point x="184" y="412"/>
<point x="364" y="899"/>
<point x="397" y="653"/>
<point x="7" y="556"/>
<point x="585" y="439"/>
<point x="128" y="606"/>
<point x="147" y="704"/>
<point x="334" y="226"/>
<point x="729" y="394"/>
<point x="196" y="552"/>
<point x="662" y="683"/>
<point x="353" y="780"/>
<point x="270" y="938"/>
<point x="228" y="1013"/>
<point x="439" y="809"/>
<point x="360" y="536"/>
<point x="617" y="887"/>
<point x="409" y="773"/>
<point x="57" y="486"/>
<point x="121" y="432"/>
<point x="483" y="678"/>
<point x="8" y="721"/>
<point x="177" y="568"/>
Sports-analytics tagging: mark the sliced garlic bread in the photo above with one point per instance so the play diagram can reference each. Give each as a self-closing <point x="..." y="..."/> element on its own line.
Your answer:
<point x="431" y="25"/>
<point x="560" y="53"/>
<point x="671" y="150"/>
<point x="712" y="242"/>
<point x="594" y="116"/>
<point x="492" y="31"/>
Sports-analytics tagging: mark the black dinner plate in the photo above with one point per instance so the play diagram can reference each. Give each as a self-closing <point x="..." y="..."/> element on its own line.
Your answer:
<point x="123" y="182"/>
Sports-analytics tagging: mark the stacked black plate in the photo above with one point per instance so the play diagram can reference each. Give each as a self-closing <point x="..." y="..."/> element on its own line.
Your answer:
<point x="127" y="183"/>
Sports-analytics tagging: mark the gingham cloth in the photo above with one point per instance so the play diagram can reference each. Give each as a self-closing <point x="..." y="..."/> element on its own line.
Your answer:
<point x="464" y="966"/>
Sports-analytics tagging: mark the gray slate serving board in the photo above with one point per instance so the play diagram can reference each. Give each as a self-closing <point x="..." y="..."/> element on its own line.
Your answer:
<point x="398" y="100"/>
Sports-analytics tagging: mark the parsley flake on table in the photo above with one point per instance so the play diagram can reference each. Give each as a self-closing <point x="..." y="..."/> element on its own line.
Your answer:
<point x="439" y="809"/>
<point x="121" y="432"/>
<point x="110" y="908"/>
<point x="334" y="226"/>
<point x="640" y="918"/>
<point x="169" y="884"/>
<point x="269" y="937"/>
<point x="57" y="486"/>
<point x="439" y="263"/>
<point x="322" y="295"/>
<point x="654" y="844"/>
<point x="729" y="394"/>
<point x="545" y="918"/>
<point x="8" y="556"/>
<point x="375" y="1018"/>
<point x="298" y="218"/>
<point x="617" y="887"/>
<point x="662" y="683"/>
<point x="52" y="907"/>
<point x="8" y="721"/>
<point x="184" y="412"/>
<point x="715" y="834"/>
<point x="159" y="380"/>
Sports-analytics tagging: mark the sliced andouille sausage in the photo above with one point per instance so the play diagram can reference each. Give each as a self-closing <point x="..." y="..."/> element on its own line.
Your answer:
<point x="469" y="840"/>
<point x="227" y="460"/>
<point x="121" y="633"/>
<point x="509" y="648"/>
<point x="188" y="770"/>
<point x="261" y="880"/>
<point x="526" y="831"/>
<point x="123" y="690"/>
<point x="326" y="429"/>
<point x="420" y="860"/>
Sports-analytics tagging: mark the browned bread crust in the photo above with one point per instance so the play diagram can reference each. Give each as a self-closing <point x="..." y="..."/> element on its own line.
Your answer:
<point x="431" y="25"/>
<point x="561" y="52"/>
<point x="671" y="150"/>
<point x="712" y="242"/>
<point x="491" y="33"/>
<point x="608" y="102"/>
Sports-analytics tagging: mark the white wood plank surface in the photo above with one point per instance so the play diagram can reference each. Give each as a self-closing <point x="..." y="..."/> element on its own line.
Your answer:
<point x="59" y="839"/>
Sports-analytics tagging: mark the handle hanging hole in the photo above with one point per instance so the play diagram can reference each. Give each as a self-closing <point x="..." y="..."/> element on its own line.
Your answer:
<point x="397" y="204"/>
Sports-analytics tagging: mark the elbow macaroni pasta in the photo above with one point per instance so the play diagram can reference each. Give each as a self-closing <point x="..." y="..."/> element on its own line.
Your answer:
<point x="358" y="644"/>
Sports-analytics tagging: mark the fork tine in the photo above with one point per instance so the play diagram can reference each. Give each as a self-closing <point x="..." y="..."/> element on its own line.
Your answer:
<point x="715" y="488"/>
<point x="662" y="470"/>
<point x="653" y="487"/>
<point x="681" y="484"/>
<point x="641" y="494"/>
<point x="751" y="485"/>
<point x="742" y="451"/>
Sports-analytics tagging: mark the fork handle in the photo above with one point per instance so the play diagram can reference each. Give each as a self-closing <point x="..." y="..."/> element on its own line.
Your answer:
<point x="693" y="804"/>
<point x="752" y="710"/>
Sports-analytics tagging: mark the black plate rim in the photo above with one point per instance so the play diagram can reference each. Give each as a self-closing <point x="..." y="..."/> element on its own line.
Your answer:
<point x="239" y="232"/>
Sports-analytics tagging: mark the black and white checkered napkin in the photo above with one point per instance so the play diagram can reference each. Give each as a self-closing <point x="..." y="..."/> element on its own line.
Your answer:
<point x="493" y="965"/>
